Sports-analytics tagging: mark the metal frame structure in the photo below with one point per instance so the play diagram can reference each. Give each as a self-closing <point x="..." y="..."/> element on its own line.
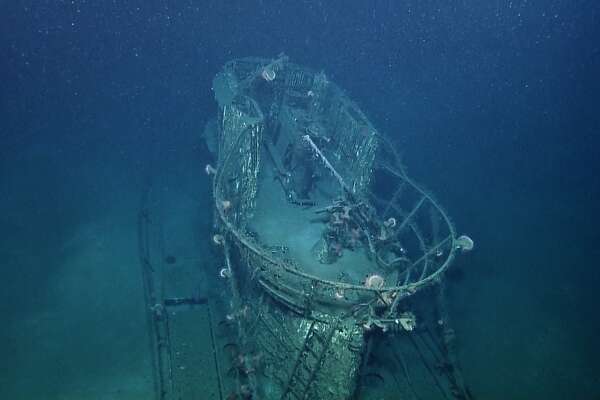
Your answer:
<point x="302" y="335"/>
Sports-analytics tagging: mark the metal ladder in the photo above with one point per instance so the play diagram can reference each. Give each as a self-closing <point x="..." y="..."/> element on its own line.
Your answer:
<point x="309" y="362"/>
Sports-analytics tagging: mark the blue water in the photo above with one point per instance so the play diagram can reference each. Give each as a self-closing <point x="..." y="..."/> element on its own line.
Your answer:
<point x="493" y="105"/>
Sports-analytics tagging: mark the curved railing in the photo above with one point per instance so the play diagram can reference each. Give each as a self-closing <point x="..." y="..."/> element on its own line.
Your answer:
<point x="286" y="281"/>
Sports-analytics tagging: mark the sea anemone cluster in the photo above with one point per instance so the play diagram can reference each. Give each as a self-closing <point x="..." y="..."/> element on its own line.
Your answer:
<point x="225" y="205"/>
<point x="268" y="73"/>
<point x="218" y="239"/>
<point x="210" y="170"/>
<point x="464" y="243"/>
<point x="374" y="281"/>
<point x="342" y="232"/>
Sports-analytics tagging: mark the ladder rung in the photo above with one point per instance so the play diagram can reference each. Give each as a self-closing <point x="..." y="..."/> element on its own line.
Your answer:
<point x="320" y="339"/>
<point x="295" y="394"/>
<point x="299" y="379"/>
<point x="306" y="368"/>
<point x="312" y="352"/>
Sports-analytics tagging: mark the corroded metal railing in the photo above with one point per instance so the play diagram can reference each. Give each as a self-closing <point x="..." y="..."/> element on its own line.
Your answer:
<point x="286" y="281"/>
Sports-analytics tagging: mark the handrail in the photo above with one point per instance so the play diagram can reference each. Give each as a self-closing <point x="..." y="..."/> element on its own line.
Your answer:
<point x="340" y="285"/>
